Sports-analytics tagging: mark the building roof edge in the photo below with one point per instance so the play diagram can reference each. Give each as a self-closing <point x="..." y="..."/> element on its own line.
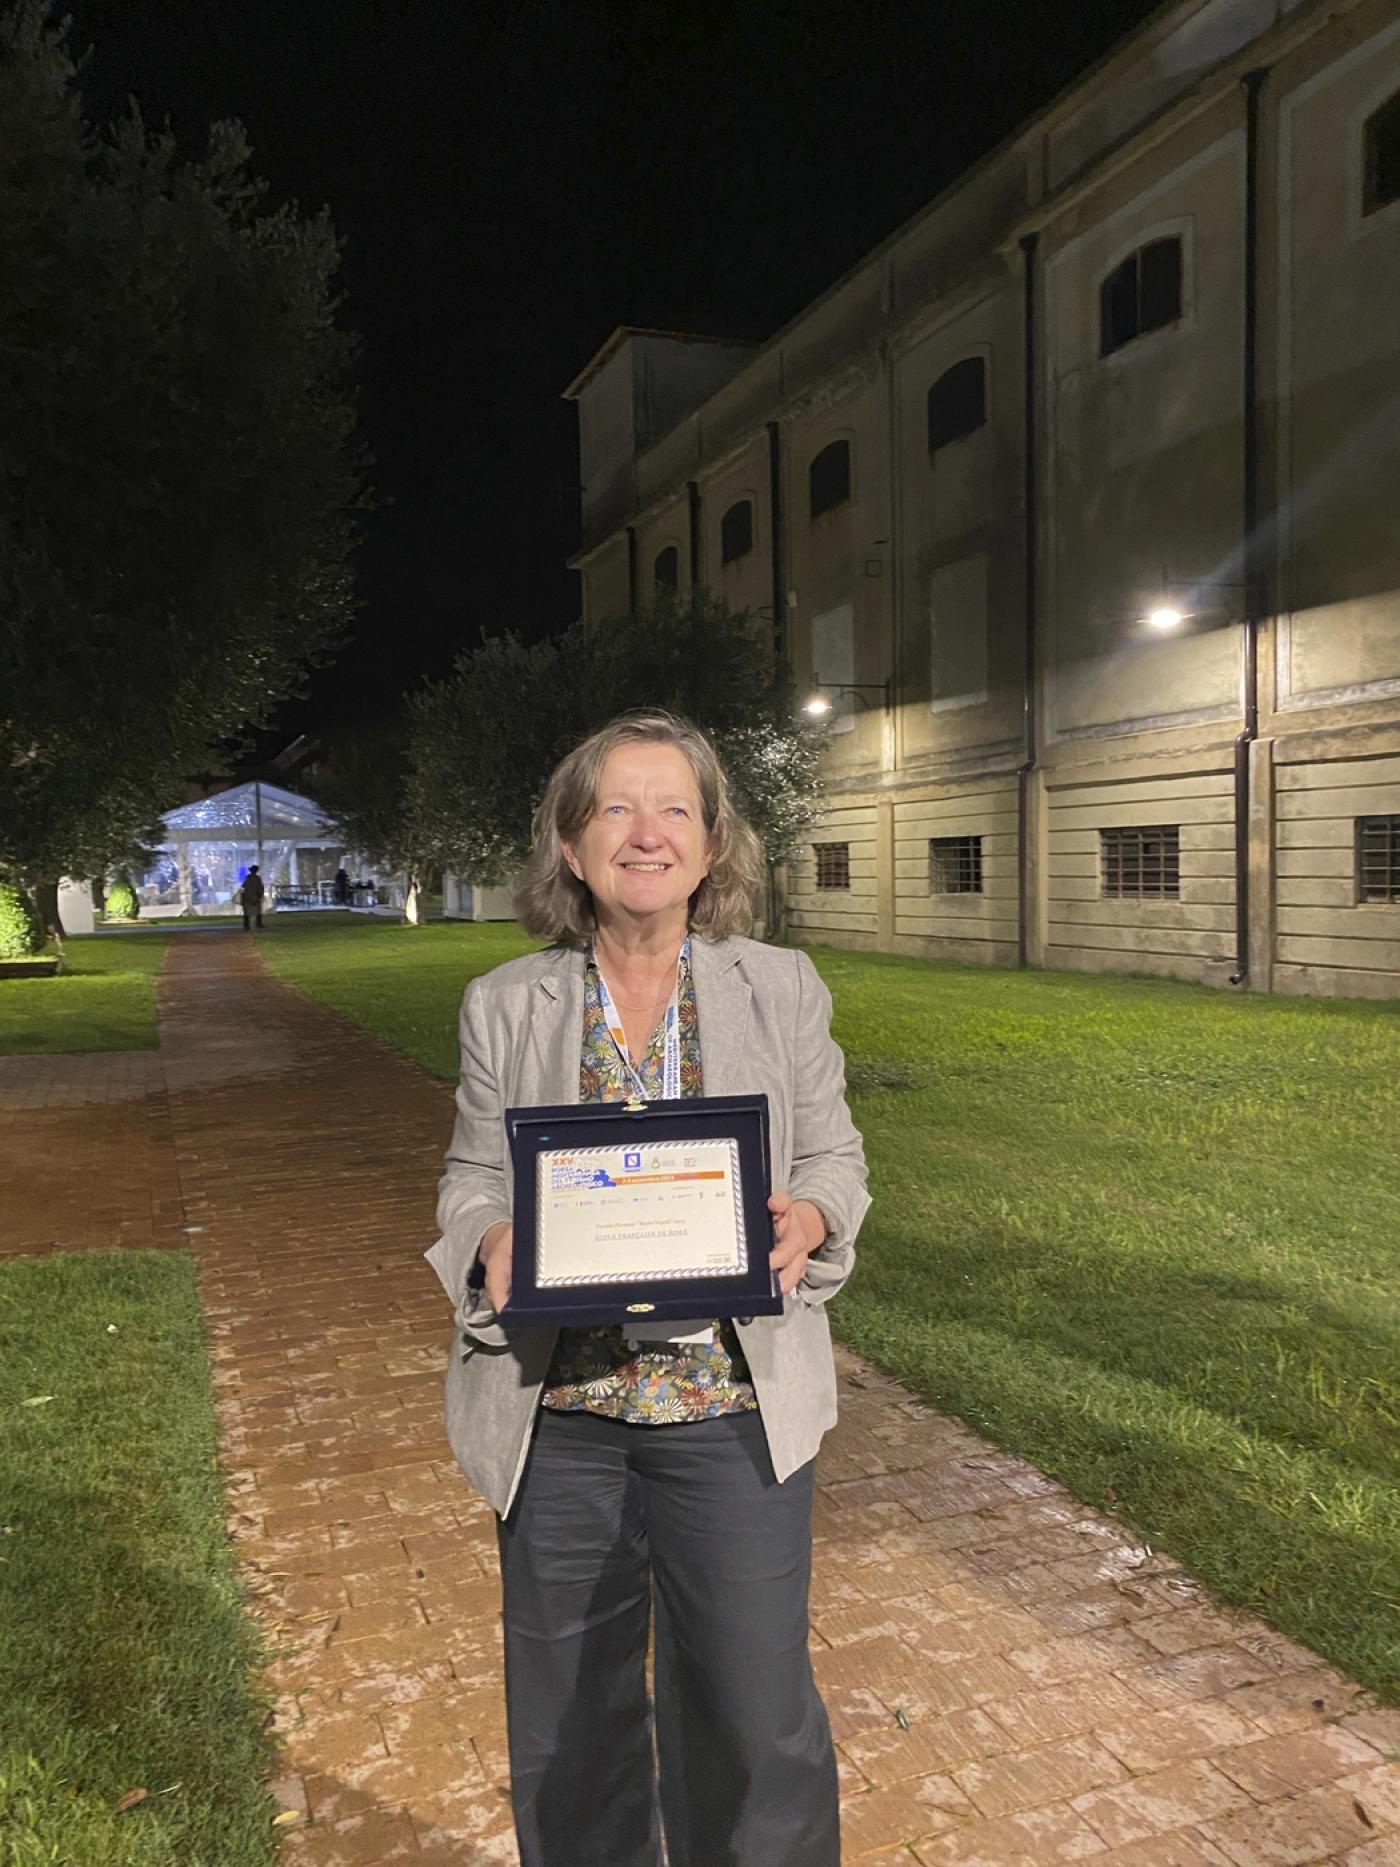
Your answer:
<point x="619" y="335"/>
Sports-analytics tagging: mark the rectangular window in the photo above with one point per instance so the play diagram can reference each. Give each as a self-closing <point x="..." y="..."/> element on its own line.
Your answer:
<point x="955" y="865"/>
<point x="834" y="645"/>
<point x="1378" y="858"/>
<point x="834" y="662"/>
<point x="833" y="865"/>
<point x="1142" y="863"/>
<point x="958" y="609"/>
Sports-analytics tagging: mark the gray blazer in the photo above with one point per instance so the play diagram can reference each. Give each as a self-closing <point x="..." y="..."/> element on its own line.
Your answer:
<point x="764" y="1027"/>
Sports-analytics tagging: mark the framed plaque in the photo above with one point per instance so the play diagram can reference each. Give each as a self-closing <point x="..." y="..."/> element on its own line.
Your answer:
<point x="641" y="1212"/>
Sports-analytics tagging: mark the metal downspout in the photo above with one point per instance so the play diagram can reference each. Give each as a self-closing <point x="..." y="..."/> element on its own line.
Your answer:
<point x="1030" y="498"/>
<point x="1253" y="583"/>
<point x="775" y="515"/>
<point x="692" y="490"/>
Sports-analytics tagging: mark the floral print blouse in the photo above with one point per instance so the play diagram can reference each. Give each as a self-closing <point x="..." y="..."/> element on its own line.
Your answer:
<point x="595" y="1370"/>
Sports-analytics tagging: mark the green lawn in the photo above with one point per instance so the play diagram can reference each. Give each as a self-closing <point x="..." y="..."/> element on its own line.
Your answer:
<point x="125" y="1648"/>
<point x="106" y="1000"/>
<point x="403" y="983"/>
<point x="1145" y="1234"/>
<point x="1149" y="1237"/>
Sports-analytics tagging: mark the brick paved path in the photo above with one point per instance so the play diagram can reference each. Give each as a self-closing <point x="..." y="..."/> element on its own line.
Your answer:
<point x="1010" y="1679"/>
<point x="85" y="1160"/>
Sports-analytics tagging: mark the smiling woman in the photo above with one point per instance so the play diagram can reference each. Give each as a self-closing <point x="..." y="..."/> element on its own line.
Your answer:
<point x="641" y="856"/>
<point x="672" y="1460"/>
<point x="557" y="900"/>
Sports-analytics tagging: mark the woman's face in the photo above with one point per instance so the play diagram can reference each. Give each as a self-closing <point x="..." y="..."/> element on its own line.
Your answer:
<point x="645" y="850"/>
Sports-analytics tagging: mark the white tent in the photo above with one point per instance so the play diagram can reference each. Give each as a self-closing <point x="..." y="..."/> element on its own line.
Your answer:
<point x="208" y="847"/>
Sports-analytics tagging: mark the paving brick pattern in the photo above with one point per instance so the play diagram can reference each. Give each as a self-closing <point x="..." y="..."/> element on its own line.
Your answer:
<point x="1011" y="1679"/>
<point x="86" y="1160"/>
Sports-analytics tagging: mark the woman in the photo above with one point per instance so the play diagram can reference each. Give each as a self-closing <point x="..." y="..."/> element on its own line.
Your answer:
<point x="673" y="1464"/>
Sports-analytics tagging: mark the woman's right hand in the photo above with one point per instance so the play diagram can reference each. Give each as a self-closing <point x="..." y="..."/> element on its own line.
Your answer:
<point x="494" y="1252"/>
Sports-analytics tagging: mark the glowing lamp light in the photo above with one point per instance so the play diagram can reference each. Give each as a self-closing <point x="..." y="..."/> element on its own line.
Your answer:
<point x="817" y="707"/>
<point x="1165" y="618"/>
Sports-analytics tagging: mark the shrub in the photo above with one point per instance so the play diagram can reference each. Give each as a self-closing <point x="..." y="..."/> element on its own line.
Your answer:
<point x="121" y="898"/>
<point x="21" y="929"/>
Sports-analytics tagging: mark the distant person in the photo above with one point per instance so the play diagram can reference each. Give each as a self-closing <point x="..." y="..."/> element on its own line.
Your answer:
<point x="250" y="897"/>
<point x="340" y="892"/>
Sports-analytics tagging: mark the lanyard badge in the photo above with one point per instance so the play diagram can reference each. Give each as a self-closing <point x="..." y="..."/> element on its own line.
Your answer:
<point x="649" y="1337"/>
<point x="671" y="1047"/>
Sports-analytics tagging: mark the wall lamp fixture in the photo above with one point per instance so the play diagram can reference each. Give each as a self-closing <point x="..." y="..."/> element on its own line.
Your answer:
<point x="817" y="706"/>
<point x="1170" y="612"/>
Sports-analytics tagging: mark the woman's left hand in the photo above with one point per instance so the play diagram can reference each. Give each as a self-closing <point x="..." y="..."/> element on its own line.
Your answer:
<point x="799" y="1229"/>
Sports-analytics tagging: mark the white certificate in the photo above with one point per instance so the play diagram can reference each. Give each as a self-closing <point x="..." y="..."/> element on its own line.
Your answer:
<point x="655" y="1212"/>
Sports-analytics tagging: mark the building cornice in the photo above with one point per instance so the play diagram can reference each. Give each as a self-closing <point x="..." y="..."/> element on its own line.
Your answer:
<point x="619" y="335"/>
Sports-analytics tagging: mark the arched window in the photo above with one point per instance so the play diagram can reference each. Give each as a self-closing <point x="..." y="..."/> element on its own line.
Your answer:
<point x="736" y="531"/>
<point x="1141" y="294"/>
<point x="666" y="571"/>
<point x="1381" y="157"/>
<point x="957" y="403"/>
<point x="829" y="478"/>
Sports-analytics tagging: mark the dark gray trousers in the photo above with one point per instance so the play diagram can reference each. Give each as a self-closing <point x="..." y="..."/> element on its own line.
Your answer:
<point x="611" y="1519"/>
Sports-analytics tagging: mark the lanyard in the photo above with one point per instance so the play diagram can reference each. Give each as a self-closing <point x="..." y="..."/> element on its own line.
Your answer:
<point x="671" y="1048"/>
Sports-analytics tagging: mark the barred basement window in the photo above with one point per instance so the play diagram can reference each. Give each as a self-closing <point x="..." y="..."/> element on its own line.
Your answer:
<point x="955" y="865"/>
<point x="833" y="864"/>
<point x="1142" y="863"/>
<point x="1378" y="858"/>
<point x="736" y="531"/>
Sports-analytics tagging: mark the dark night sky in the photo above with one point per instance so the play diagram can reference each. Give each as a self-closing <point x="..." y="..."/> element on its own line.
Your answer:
<point x="511" y="180"/>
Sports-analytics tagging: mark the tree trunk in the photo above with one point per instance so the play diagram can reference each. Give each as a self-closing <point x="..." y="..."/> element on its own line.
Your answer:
<point x="775" y="929"/>
<point x="46" y="900"/>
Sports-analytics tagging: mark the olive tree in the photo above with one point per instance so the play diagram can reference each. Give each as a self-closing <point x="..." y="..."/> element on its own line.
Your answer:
<point x="484" y="741"/>
<point x="179" y="472"/>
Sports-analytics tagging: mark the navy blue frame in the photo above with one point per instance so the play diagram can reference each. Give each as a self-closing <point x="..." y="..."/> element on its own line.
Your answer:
<point x="751" y="1292"/>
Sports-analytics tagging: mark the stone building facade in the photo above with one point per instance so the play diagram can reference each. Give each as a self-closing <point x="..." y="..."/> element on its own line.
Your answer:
<point x="1142" y="363"/>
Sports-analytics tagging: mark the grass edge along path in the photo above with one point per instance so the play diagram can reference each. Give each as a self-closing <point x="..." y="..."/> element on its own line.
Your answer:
<point x="127" y="1652"/>
<point x="104" y="1000"/>
<point x="1139" y="1233"/>
<point x="1133" y="1230"/>
<point x="1248" y="1517"/>
<point x="401" y="984"/>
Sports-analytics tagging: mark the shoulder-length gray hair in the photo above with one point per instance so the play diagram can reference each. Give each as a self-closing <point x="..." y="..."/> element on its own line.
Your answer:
<point x="554" y="905"/>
